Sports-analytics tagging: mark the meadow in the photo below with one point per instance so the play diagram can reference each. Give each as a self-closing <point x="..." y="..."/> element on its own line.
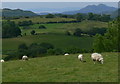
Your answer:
<point x="54" y="34"/>
<point x="58" y="40"/>
<point x="62" y="69"/>
<point x="63" y="27"/>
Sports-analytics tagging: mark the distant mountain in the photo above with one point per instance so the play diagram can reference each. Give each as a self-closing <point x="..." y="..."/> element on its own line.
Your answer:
<point x="43" y="13"/>
<point x="98" y="9"/>
<point x="17" y="12"/>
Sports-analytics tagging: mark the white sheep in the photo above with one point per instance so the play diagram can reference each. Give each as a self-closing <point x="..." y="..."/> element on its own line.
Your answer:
<point x="66" y="54"/>
<point x="25" y="57"/>
<point x="97" y="57"/>
<point x="80" y="57"/>
<point x="2" y="60"/>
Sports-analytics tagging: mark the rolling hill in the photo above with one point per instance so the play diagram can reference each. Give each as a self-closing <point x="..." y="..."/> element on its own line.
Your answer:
<point x="16" y="13"/>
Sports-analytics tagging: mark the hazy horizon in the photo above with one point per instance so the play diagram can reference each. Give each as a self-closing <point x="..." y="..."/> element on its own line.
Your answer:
<point x="53" y="6"/>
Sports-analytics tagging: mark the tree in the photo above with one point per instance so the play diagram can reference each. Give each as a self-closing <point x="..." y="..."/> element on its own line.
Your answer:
<point x="90" y="16"/>
<point x="32" y="32"/>
<point x="77" y="32"/>
<point x="10" y="29"/>
<point x="50" y="16"/>
<point x="79" y="17"/>
<point x="112" y="35"/>
<point x="98" y="45"/>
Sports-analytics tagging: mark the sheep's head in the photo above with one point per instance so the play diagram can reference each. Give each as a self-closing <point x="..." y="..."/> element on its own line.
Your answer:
<point x="101" y="60"/>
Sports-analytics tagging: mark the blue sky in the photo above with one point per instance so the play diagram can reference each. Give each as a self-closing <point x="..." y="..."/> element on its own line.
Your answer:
<point x="53" y="6"/>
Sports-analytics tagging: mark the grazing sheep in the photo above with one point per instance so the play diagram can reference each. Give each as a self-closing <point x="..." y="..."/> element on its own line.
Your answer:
<point x="2" y="60"/>
<point x="66" y="54"/>
<point x="25" y="57"/>
<point x="80" y="57"/>
<point x="97" y="57"/>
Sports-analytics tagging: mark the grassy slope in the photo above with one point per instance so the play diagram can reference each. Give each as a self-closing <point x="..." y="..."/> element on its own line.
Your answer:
<point x="58" y="40"/>
<point x="62" y="69"/>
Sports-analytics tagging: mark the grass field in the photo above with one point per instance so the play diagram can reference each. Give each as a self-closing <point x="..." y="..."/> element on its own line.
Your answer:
<point x="58" y="40"/>
<point x="63" y="27"/>
<point x="62" y="69"/>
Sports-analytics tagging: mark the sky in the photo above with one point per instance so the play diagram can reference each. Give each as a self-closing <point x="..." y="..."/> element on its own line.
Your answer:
<point x="52" y="6"/>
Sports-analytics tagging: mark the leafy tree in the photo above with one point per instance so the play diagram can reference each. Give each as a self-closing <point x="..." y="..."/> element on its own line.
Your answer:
<point x="79" y="17"/>
<point x="112" y="35"/>
<point x="99" y="43"/>
<point x="10" y="29"/>
<point x="110" y="41"/>
<point x="90" y="16"/>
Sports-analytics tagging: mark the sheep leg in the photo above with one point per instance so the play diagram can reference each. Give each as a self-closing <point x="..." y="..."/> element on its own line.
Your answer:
<point x="94" y="60"/>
